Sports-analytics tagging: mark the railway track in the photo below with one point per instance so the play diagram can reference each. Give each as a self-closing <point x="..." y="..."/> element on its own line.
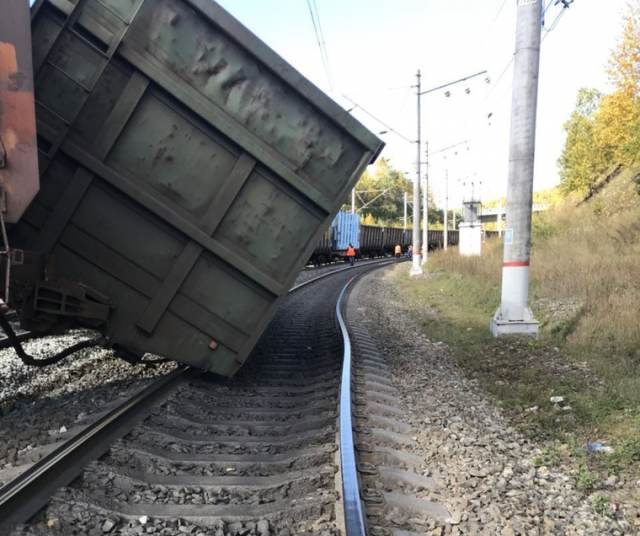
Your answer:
<point x="308" y="273"/>
<point x="82" y="394"/>
<point x="258" y="452"/>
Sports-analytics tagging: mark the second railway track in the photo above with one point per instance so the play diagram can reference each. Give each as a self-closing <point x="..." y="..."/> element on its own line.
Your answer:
<point x="253" y="455"/>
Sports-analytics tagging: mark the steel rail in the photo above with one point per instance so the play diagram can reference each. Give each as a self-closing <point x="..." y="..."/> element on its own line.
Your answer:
<point x="340" y="260"/>
<point x="354" y="518"/>
<point x="377" y="263"/>
<point x="24" y="496"/>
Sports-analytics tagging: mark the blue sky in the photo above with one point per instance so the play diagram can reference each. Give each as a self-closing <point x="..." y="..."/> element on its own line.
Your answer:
<point x="376" y="46"/>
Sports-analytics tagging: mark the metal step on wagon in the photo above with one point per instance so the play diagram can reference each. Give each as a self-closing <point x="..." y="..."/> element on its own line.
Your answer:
<point x="186" y="174"/>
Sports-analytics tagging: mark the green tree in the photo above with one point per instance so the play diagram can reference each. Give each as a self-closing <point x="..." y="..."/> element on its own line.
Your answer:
<point x="617" y="128"/>
<point x="380" y="193"/>
<point x="604" y="130"/>
<point x="436" y="215"/>
<point x="580" y="163"/>
<point x="380" y="196"/>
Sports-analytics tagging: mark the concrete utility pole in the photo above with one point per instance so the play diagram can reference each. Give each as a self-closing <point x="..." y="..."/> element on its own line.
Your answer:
<point x="425" y="207"/>
<point x="446" y="209"/>
<point x="353" y="200"/>
<point x="514" y="315"/>
<point x="416" y="265"/>
<point x="404" y="228"/>
<point x="416" y="268"/>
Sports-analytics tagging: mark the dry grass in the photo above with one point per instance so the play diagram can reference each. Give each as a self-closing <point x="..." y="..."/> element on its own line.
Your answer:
<point x="486" y="267"/>
<point x="585" y="270"/>
<point x="585" y="290"/>
<point x="591" y="254"/>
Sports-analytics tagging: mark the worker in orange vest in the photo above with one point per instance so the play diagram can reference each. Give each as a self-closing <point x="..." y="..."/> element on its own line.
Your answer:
<point x="351" y="254"/>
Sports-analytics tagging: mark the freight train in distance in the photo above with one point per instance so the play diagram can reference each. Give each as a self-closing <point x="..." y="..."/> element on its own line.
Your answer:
<point x="368" y="240"/>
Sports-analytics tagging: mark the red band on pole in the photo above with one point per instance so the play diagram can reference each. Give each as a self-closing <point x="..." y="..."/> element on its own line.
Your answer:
<point x="515" y="264"/>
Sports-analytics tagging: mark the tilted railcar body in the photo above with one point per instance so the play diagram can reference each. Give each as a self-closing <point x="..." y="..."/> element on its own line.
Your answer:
<point x="187" y="173"/>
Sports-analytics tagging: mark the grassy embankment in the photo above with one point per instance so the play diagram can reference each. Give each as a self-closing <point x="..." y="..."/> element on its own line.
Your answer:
<point x="585" y="290"/>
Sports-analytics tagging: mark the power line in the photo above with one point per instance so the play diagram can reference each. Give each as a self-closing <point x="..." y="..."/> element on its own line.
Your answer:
<point x="463" y="142"/>
<point x="554" y="24"/>
<point x="398" y="87"/>
<point x="492" y="95"/>
<point x="378" y="90"/>
<point x="565" y="5"/>
<point x="315" y="20"/>
<point x="443" y="86"/>
<point x="322" y="40"/>
<point x="499" y="79"/>
<point x="403" y="103"/>
<point x="498" y="13"/>
<point x="385" y="125"/>
<point x="555" y="21"/>
<point x="317" y="28"/>
<point x="503" y="72"/>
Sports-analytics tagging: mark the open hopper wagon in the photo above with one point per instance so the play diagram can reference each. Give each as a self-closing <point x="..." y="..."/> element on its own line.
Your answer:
<point x="186" y="174"/>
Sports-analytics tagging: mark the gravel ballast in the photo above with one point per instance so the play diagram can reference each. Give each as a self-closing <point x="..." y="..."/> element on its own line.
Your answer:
<point x="467" y="443"/>
<point x="310" y="273"/>
<point x="40" y="407"/>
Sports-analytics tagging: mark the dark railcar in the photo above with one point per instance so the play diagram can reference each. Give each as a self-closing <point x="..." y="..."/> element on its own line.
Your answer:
<point x="187" y="173"/>
<point x="323" y="252"/>
<point x="371" y="241"/>
<point x="377" y="241"/>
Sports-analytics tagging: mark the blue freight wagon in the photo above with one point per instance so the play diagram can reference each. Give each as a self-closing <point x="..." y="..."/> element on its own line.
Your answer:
<point x="345" y="230"/>
<point x="369" y="241"/>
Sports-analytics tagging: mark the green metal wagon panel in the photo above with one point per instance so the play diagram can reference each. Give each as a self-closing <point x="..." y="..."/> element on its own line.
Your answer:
<point x="187" y="171"/>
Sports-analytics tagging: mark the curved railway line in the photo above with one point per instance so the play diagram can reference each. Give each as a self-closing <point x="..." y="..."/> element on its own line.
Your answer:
<point x="307" y="273"/>
<point x="262" y="453"/>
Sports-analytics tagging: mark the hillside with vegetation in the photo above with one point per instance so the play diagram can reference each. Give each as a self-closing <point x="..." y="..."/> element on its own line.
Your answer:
<point x="584" y="290"/>
<point x="550" y="196"/>
<point x="604" y="130"/>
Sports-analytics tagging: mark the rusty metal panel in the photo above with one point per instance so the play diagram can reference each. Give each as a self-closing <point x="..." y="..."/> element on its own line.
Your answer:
<point x="187" y="171"/>
<point x="178" y="37"/>
<point x="18" y="150"/>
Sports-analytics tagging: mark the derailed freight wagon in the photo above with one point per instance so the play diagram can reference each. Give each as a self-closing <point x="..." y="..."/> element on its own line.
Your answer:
<point x="187" y="172"/>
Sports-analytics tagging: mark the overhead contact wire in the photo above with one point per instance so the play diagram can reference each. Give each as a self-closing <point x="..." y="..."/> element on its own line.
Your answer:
<point x="320" y="40"/>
